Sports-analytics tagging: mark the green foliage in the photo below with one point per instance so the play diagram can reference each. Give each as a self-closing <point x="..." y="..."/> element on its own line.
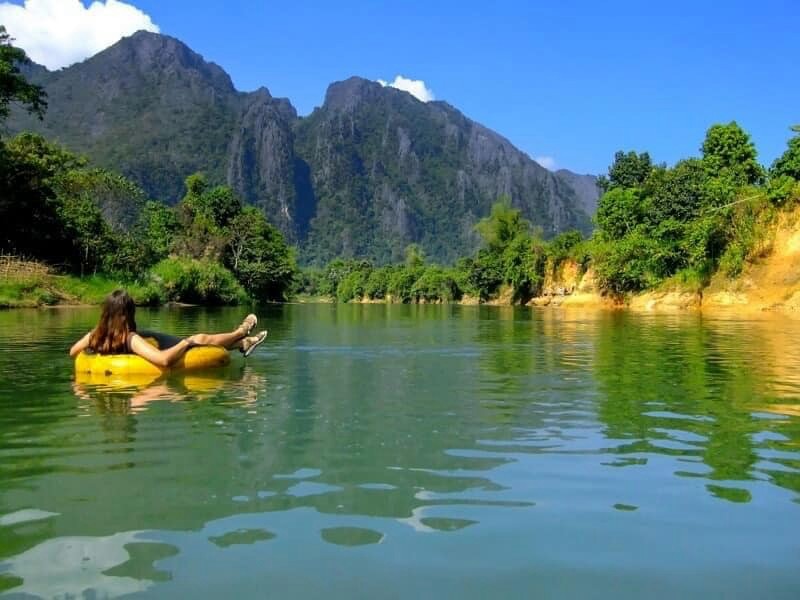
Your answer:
<point x="159" y="228"/>
<point x="678" y="193"/>
<point x="203" y="228"/>
<point x="729" y="153"/>
<point x="377" y="285"/>
<point x="119" y="200"/>
<point x="30" y="219"/>
<point x="623" y="265"/>
<point x="89" y="232"/>
<point x="87" y="220"/>
<point x="436" y="284"/>
<point x="401" y="283"/>
<point x="217" y="206"/>
<point x="336" y="271"/>
<point x="788" y="164"/>
<point x="747" y="234"/>
<point x="523" y="263"/>
<point x="307" y="282"/>
<point x="415" y="256"/>
<point x="627" y="171"/>
<point x="780" y="189"/>
<point x="13" y="85"/>
<point x="353" y="286"/>
<point x="502" y="226"/>
<point x="563" y="246"/>
<point x="196" y="281"/>
<point x="483" y="274"/>
<point x="705" y="240"/>
<point x="620" y="211"/>
<point x="259" y="256"/>
<point x="700" y="215"/>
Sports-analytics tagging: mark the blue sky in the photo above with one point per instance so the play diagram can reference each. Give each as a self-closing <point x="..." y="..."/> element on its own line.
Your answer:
<point x="572" y="81"/>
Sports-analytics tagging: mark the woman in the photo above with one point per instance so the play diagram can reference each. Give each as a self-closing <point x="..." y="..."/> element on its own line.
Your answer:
<point x="116" y="334"/>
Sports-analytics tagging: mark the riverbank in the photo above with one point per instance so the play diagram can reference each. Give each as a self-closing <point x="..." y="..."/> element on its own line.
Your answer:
<point x="29" y="284"/>
<point x="769" y="281"/>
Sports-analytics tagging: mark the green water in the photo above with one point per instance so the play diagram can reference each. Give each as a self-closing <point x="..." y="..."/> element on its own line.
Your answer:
<point x="404" y="452"/>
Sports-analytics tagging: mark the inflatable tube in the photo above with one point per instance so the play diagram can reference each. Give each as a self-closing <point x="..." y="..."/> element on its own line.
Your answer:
<point x="199" y="357"/>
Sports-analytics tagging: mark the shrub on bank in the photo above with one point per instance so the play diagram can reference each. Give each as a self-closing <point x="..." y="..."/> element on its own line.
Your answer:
<point x="436" y="284"/>
<point x="194" y="281"/>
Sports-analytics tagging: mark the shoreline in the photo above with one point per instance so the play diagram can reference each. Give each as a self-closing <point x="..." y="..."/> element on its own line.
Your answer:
<point x="648" y="302"/>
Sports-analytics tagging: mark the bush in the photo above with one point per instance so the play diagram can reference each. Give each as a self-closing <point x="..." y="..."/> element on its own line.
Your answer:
<point x="336" y="271"/>
<point x="307" y="282"/>
<point x="562" y="246"/>
<point x="484" y="273"/>
<point x="401" y="283"/>
<point x="625" y="265"/>
<point x="378" y="283"/>
<point x="436" y="284"/>
<point x="747" y="235"/>
<point x="523" y="263"/>
<point x="779" y="189"/>
<point x="194" y="281"/>
<point x="352" y="286"/>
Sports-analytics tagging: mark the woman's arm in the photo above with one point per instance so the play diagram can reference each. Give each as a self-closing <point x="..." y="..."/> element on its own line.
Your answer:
<point x="160" y="358"/>
<point x="79" y="346"/>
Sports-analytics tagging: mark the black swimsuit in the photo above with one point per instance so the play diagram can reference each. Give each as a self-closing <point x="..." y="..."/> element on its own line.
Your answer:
<point x="164" y="340"/>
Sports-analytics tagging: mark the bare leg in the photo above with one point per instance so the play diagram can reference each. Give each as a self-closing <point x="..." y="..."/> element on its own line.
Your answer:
<point x="230" y="340"/>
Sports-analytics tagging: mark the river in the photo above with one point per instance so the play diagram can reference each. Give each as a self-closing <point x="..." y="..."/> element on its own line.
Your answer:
<point x="391" y="451"/>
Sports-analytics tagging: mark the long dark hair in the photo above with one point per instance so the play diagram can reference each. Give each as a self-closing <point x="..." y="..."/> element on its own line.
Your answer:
<point x="117" y="322"/>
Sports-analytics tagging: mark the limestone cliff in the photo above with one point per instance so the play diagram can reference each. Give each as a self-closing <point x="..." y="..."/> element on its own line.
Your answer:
<point x="370" y="171"/>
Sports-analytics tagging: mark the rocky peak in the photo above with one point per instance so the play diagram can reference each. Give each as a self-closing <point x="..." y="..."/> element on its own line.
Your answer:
<point x="151" y="53"/>
<point x="346" y="95"/>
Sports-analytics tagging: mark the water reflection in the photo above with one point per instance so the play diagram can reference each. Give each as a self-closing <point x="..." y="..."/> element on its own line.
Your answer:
<point x="692" y="387"/>
<point x="425" y="430"/>
<point x="133" y="393"/>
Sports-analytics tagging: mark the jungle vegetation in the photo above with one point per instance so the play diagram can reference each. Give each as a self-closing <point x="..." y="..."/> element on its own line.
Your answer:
<point x="654" y="223"/>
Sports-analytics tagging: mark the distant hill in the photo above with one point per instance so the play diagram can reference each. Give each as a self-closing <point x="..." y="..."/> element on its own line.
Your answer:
<point x="370" y="171"/>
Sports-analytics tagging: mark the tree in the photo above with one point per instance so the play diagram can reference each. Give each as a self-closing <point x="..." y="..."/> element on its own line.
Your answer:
<point x="415" y="256"/>
<point x="259" y="256"/>
<point x="728" y="153"/>
<point x="502" y="225"/>
<point x="13" y="85"/>
<point x="30" y="222"/>
<point x="620" y="211"/>
<point x="85" y="227"/>
<point x="160" y="227"/>
<point x="119" y="200"/>
<point x="678" y="193"/>
<point x="788" y="164"/>
<point x="205" y="216"/>
<point x="627" y="171"/>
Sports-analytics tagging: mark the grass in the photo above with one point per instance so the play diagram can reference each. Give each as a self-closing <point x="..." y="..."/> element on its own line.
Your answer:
<point x="28" y="284"/>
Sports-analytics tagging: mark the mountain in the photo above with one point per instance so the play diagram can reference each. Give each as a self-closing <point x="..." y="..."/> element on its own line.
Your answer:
<point x="370" y="171"/>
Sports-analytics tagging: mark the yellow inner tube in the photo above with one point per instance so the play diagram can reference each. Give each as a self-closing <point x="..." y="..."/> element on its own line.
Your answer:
<point x="199" y="357"/>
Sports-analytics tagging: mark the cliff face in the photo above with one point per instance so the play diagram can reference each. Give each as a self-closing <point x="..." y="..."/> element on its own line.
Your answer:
<point x="261" y="161"/>
<point x="769" y="283"/>
<point x="404" y="171"/>
<point x="369" y="172"/>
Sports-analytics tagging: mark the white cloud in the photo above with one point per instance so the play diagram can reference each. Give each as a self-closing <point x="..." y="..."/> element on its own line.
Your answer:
<point x="58" y="33"/>
<point x="548" y="162"/>
<point x="415" y="87"/>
